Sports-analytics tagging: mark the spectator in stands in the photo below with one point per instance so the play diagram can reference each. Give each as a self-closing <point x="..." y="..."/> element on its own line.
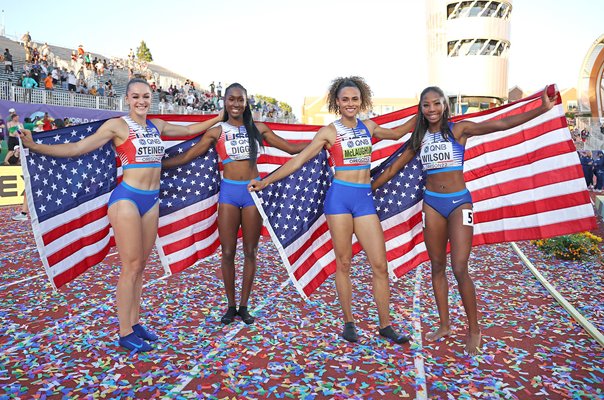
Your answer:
<point x="212" y="87"/>
<point x="28" y="54"/>
<point x="71" y="81"/>
<point x="100" y="68"/>
<point x="2" y="130"/>
<point x="28" y="84"/>
<point x="35" y="54"/>
<point x="48" y="82"/>
<point x="64" y="77"/>
<point x="93" y="91"/>
<point x="36" y="74"/>
<point x="82" y="87"/>
<point x="26" y="39"/>
<point x="598" y="161"/>
<point x="219" y="90"/>
<point x="15" y="158"/>
<point x="80" y="51"/>
<point x="584" y="135"/>
<point x="587" y="163"/>
<point x="45" y="52"/>
<point x="13" y="127"/>
<point x="8" y="61"/>
<point x="55" y="75"/>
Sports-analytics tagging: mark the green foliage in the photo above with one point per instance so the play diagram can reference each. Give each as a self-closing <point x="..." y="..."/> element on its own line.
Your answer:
<point x="285" y="107"/>
<point x="143" y="53"/>
<point x="577" y="247"/>
<point x="282" y="105"/>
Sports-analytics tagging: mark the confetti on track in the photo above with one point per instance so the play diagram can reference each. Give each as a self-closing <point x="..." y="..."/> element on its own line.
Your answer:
<point x="64" y="343"/>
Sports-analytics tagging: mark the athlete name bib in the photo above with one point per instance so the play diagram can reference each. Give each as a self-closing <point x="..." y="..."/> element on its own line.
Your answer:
<point x="437" y="155"/>
<point x="356" y="150"/>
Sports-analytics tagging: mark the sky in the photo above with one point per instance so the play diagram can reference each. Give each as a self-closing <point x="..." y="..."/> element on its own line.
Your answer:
<point x="292" y="49"/>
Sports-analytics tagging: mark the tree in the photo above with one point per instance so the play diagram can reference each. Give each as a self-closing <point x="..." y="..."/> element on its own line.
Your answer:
<point x="282" y="105"/>
<point x="143" y="53"/>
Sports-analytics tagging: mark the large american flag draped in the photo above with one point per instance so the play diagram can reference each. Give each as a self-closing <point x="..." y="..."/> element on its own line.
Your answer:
<point x="67" y="198"/>
<point x="526" y="183"/>
<point x="188" y="221"/>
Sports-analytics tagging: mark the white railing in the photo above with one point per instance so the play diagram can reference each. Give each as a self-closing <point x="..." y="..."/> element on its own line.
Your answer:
<point x="58" y="98"/>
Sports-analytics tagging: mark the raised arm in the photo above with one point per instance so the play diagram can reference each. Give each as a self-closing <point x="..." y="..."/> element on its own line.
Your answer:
<point x="169" y="129"/>
<point x="324" y="136"/>
<point x="393" y="168"/>
<point x="467" y="128"/>
<point x="199" y="148"/>
<point x="278" y="142"/>
<point x="394" y="133"/>
<point x="105" y="133"/>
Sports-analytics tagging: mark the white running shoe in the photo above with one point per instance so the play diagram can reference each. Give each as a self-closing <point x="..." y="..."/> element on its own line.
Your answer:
<point x="20" y="217"/>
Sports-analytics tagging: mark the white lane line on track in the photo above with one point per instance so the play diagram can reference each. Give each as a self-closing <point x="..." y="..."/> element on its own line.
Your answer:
<point x="35" y="276"/>
<point x="588" y="326"/>
<point x="187" y="377"/>
<point x="21" y="281"/>
<point x="420" y="377"/>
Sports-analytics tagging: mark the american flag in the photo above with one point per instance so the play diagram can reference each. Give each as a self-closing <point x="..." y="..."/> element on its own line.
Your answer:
<point x="67" y="198"/>
<point x="188" y="227"/>
<point x="526" y="183"/>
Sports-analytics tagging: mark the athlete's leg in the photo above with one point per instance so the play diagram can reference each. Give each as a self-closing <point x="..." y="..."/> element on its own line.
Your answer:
<point x="340" y="228"/>
<point x="369" y="232"/>
<point x="229" y="220"/>
<point x="460" y="235"/>
<point x="435" y="237"/>
<point x="127" y="228"/>
<point x="251" y="224"/>
<point x="149" y="225"/>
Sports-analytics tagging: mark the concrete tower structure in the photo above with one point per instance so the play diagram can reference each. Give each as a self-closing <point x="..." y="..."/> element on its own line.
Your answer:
<point x="468" y="44"/>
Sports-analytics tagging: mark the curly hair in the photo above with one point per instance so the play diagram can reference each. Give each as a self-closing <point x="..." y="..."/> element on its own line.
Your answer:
<point x="352" y="81"/>
<point x="422" y="123"/>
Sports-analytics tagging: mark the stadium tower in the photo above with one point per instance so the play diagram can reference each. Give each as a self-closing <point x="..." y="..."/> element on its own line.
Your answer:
<point x="591" y="81"/>
<point x="468" y="44"/>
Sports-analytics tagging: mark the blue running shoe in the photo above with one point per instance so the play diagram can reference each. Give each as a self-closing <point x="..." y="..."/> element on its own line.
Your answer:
<point x="134" y="343"/>
<point x="143" y="333"/>
<point x="389" y="333"/>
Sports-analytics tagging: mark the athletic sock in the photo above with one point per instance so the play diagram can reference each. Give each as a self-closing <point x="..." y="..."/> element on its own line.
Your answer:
<point x="229" y="316"/>
<point x="134" y="343"/>
<point x="143" y="333"/>
<point x="389" y="333"/>
<point x="350" y="332"/>
<point x="245" y="315"/>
